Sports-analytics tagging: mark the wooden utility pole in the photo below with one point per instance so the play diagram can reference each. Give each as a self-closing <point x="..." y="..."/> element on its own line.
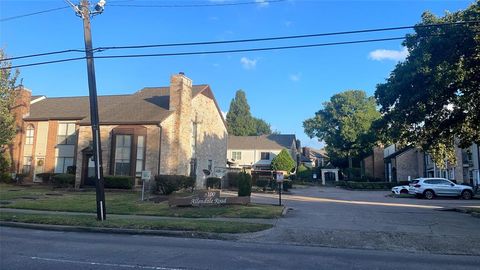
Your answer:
<point x="84" y="9"/>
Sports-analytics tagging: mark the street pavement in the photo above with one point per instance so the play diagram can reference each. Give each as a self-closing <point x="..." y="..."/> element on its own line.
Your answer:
<point x="334" y="217"/>
<point x="33" y="249"/>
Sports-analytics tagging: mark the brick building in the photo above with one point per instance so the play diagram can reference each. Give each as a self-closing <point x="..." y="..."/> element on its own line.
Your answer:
<point x="166" y="130"/>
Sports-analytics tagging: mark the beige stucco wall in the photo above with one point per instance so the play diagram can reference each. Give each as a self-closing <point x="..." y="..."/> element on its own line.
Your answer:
<point x="253" y="157"/>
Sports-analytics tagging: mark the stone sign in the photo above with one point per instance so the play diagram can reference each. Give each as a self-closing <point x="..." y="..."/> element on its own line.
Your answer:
<point x="207" y="198"/>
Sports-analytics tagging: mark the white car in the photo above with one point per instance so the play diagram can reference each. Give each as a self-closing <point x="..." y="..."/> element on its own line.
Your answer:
<point x="400" y="189"/>
<point x="431" y="187"/>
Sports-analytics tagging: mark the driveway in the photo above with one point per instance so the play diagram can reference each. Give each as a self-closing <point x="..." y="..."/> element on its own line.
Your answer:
<point x="335" y="217"/>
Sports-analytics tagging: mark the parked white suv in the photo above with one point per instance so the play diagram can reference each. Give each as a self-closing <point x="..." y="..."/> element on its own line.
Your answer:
<point x="431" y="187"/>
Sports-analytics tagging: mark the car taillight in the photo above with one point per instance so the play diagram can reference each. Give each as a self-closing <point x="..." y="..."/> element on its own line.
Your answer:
<point x="417" y="186"/>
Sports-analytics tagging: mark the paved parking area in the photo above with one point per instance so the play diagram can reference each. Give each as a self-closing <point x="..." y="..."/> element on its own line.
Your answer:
<point x="337" y="217"/>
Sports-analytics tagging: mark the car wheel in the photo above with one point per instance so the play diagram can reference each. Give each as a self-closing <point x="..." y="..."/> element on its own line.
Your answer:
<point x="428" y="194"/>
<point x="467" y="195"/>
<point x="403" y="191"/>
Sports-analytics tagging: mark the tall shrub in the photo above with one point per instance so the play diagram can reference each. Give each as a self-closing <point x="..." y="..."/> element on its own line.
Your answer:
<point x="283" y="161"/>
<point x="244" y="184"/>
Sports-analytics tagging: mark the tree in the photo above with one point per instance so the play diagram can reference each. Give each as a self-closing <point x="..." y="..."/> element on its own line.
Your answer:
<point x="345" y="125"/>
<point x="432" y="98"/>
<point x="261" y="127"/>
<point x="7" y="98"/>
<point x="240" y="121"/>
<point x="283" y="161"/>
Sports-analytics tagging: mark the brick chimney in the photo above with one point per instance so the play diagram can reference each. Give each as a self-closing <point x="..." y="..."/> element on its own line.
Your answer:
<point x="20" y="109"/>
<point x="181" y="105"/>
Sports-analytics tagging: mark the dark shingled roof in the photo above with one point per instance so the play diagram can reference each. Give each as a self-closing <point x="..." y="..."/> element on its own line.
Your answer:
<point x="273" y="141"/>
<point x="149" y="105"/>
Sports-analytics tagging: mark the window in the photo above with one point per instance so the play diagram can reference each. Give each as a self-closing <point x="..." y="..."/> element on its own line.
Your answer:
<point x="194" y="138"/>
<point x="66" y="133"/>
<point x="210" y="165"/>
<point x="123" y="144"/>
<point x="140" y="154"/>
<point x="265" y="156"/>
<point x="237" y="155"/>
<point x="27" y="165"/>
<point x="62" y="164"/>
<point x="29" y="135"/>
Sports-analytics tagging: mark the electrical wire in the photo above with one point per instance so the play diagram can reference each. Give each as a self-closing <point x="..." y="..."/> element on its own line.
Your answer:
<point x="199" y="5"/>
<point x="146" y="6"/>
<point x="211" y="52"/>
<point x="31" y="14"/>
<point x="248" y="40"/>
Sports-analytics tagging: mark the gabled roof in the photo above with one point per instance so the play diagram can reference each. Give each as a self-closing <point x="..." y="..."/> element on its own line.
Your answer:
<point x="273" y="142"/>
<point x="148" y="105"/>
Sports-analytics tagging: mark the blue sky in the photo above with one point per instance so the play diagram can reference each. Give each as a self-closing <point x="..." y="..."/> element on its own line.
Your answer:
<point x="283" y="87"/>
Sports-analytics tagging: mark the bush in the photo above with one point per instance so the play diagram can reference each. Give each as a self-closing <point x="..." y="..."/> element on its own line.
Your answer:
<point x="46" y="177"/>
<point x="120" y="182"/>
<point x="6" y="177"/>
<point x="263" y="183"/>
<point x="214" y="182"/>
<point x="369" y="185"/>
<point x="63" y="180"/>
<point x="244" y="184"/>
<point x="304" y="172"/>
<point x="167" y="184"/>
<point x="287" y="184"/>
<point x="341" y="183"/>
<point x="232" y="179"/>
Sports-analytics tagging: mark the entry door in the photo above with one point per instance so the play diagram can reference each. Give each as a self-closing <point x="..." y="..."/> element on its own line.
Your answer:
<point x="89" y="170"/>
<point x="39" y="168"/>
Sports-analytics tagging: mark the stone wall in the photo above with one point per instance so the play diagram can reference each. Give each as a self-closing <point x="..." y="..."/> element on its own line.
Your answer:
<point x="211" y="137"/>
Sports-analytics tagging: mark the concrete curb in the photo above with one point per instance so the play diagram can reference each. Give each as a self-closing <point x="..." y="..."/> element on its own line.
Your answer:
<point x="462" y="210"/>
<point x="166" y="233"/>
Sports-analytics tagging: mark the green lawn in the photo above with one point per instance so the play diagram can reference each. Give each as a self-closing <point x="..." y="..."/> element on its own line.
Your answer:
<point x="37" y="198"/>
<point x="112" y="222"/>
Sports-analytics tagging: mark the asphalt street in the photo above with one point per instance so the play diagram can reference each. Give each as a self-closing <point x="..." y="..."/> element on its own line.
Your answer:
<point x="33" y="249"/>
<point x="334" y="217"/>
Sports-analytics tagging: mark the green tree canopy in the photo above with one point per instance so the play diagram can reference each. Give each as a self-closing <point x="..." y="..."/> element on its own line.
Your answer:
<point x="433" y="97"/>
<point x="240" y="121"/>
<point x="7" y="98"/>
<point x="344" y="124"/>
<point x="283" y="161"/>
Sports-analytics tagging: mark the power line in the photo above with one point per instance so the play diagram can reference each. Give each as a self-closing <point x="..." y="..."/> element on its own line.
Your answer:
<point x="285" y="37"/>
<point x="199" y="5"/>
<point x="249" y="40"/>
<point x="212" y="52"/>
<point x="31" y="14"/>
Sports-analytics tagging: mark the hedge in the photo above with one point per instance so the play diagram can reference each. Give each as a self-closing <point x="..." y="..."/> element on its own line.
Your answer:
<point x="120" y="182"/>
<point x="63" y="180"/>
<point x="167" y="184"/>
<point x="214" y="182"/>
<point x="369" y="185"/>
<point x="232" y="179"/>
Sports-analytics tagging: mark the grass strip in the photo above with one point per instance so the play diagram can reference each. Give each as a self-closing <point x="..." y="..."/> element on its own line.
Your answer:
<point x="113" y="222"/>
<point x="125" y="203"/>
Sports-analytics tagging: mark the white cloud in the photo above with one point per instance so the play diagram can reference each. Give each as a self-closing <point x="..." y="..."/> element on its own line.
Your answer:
<point x="224" y="114"/>
<point x="394" y="55"/>
<point x="295" y="77"/>
<point x="248" y="63"/>
<point x="262" y="3"/>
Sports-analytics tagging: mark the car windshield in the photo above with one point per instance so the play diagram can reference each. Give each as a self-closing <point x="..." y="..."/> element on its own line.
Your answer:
<point x="414" y="181"/>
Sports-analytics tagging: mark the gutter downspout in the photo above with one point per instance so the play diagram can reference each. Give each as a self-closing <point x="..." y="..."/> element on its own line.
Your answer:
<point x="160" y="130"/>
